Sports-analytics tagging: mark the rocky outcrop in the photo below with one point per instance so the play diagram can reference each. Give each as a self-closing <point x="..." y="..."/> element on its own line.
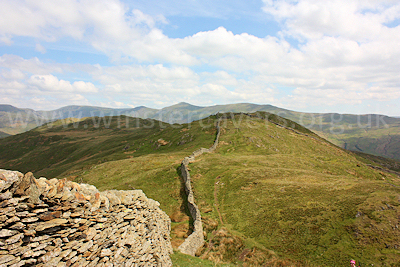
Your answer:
<point x="62" y="223"/>
<point x="196" y="239"/>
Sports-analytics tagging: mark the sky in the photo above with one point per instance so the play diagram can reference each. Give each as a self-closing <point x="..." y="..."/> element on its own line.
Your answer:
<point x="305" y="55"/>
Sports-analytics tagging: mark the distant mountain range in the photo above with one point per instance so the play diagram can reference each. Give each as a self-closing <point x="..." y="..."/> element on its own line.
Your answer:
<point x="372" y="133"/>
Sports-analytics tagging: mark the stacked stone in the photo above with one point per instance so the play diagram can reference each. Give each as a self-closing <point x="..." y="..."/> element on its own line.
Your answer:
<point x="62" y="223"/>
<point x="196" y="239"/>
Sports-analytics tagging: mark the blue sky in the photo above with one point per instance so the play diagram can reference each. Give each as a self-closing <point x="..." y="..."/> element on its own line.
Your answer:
<point x="304" y="55"/>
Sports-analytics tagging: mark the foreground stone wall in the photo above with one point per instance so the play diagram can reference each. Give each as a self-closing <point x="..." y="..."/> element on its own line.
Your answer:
<point x="62" y="223"/>
<point x="196" y="239"/>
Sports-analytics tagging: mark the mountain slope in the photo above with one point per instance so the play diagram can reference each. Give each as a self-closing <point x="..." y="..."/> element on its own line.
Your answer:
<point x="91" y="111"/>
<point x="297" y="197"/>
<point x="269" y="195"/>
<point x="3" y="134"/>
<point x="374" y="134"/>
<point x="15" y="120"/>
<point x="117" y="152"/>
<point x="56" y="147"/>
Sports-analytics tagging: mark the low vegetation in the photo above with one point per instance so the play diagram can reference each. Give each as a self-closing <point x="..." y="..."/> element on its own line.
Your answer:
<point x="307" y="201"/>
<point x="373" y="134"/>
<point x="67" y="146"/>
<point x="269" y="196"/>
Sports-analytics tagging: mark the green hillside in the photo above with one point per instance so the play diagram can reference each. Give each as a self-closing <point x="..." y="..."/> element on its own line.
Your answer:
<point x="68" y="145"/>
<point x="269" y="195"/>
<point x="273" y="196"/>
<point x="302" y="198"/>
<point x="16" y="120"/>
<point x="116" y="153"/>
<point x="373" y="134"/>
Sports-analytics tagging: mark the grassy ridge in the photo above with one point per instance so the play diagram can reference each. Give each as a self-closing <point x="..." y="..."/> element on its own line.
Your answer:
<point x="306" y="200"/>
<point x="268" y="196"/>
<point x="389" y="164"/>
<point x="373" y="133"/>
<point x="115" y="153"/>
<point x="65" y="147"/>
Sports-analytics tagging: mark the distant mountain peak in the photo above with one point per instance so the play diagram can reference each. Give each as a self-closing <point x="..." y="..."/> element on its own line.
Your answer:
<point x="8" y="108"/>
<point x="183" y="105"/>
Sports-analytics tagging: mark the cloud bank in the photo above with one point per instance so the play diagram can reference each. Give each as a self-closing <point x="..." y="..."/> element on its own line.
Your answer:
<point x="327" y="53"/>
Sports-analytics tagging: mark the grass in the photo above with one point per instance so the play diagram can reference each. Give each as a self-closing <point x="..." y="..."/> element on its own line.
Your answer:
<point x="268" y="196"/>
<point x="372" y="134"/>
<point x="306" y="200"/>
<point x="60" y="149"/>
<point x="182" y="260"/>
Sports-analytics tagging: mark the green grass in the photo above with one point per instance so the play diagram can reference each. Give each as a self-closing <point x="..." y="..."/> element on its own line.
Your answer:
<point x="182" y="260"/>
<point x="373" y="134"/>
<point x="299" y="197"/>
<point x="155" y="174"/>
<point x="370" y="134"/>
<point x="111" y="155"/>
<point x="284" y="199"/>
<point x="58" y="150"/>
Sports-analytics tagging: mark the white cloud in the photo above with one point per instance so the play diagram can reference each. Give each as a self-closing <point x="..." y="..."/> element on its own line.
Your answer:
<point x="306" y="97"/>
<point x="12" y="74"/>
<point x="41" y="91"/>
<point x="345" y="46"/>
<point x="107" y="25"/>
<point x="51" y="83"/>
<point x="40" y="48"/>
<point x="356" y="20"/>
<point x="33" y="65"/>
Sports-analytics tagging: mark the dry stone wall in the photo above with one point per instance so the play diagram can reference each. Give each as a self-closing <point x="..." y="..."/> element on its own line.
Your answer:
<point x="61" y="223"/>
<point x="196" y="239"/>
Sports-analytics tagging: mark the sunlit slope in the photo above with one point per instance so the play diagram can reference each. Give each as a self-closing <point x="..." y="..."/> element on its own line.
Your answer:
<point x="300" y="197"/>
<point x="373" y="133"/>
<point x="117" y="153"/>
<point x="67" y="146"/>
<point x="268" y="195"/>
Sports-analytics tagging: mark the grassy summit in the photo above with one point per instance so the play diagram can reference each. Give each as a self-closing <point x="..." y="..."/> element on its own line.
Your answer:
<point x="302" y="198"/>
<point x="268" y="195"/>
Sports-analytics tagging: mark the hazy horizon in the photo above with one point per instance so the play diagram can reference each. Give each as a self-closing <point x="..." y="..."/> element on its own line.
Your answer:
<point x="200" y="107"/>
<point x="304" y="55"/>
